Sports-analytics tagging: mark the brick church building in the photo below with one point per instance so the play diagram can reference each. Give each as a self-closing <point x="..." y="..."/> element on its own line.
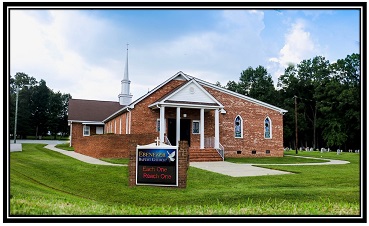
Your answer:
<point x="216" y="122"/>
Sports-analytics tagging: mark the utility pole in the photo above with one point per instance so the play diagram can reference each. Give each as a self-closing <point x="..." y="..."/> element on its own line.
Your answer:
<point x="297" y="140"/>
<point x="16" y="111"/>
<point x="16" y="114"/>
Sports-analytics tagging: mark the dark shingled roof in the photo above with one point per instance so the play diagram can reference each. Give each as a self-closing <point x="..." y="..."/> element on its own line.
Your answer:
<point x="91" y="110"/>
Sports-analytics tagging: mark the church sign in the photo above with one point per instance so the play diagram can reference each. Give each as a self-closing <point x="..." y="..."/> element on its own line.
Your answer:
<point x="157" y="165"/>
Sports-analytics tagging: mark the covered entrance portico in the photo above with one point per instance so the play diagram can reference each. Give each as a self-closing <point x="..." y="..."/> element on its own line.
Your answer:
<point x="174" y="108"/>
<point x="181" y="128"/>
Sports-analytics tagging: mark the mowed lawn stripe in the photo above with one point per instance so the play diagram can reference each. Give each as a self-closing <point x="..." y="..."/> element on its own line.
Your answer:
<point x="94" y="189"/>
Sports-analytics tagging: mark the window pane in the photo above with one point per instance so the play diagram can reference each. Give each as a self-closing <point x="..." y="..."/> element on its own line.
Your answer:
<point x="195" y="127"/>
<point x="238" y="127"/>
<point x="267" y="128"/>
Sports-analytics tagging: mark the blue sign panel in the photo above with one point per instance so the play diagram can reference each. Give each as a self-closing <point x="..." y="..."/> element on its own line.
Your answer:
<point x="157" y="165"/>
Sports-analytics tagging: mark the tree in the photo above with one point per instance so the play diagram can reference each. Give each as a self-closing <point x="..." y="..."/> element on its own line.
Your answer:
<point x="23" y="119"/>
<point x="40" y="108"/>
<point x="341" y="103"/>
<point x="255" y="83"/>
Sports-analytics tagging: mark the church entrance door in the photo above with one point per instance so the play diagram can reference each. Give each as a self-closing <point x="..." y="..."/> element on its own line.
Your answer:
<point x="185" y="130"/>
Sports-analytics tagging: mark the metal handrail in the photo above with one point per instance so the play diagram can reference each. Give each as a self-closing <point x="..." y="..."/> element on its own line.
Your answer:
<point x="166" y="141"/>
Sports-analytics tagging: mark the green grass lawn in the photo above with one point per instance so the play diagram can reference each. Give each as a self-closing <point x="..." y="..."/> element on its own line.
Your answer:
<point x="65" y="146"/>
<point x="44" y="182"/>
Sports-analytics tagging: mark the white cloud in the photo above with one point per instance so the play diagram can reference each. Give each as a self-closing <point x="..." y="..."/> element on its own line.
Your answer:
<point x="84" y="55"/>
<point x="218" y="54"/>
<point x="298" y="46"/>
<point x="55" y="50"/>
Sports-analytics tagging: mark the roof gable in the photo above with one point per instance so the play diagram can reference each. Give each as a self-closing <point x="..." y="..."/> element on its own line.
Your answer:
<point x="190" y="93"/>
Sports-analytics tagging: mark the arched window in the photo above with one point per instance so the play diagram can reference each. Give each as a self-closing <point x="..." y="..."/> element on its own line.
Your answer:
<point x="267" y="128"/>
<point x="238" y="127"/>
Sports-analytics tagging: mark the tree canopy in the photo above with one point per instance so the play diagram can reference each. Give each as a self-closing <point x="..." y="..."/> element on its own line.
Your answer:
<point x="41" y="111"/>
<point x="328" y="100"/>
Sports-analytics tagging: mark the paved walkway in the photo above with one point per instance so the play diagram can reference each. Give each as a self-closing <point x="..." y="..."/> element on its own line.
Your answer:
<point x="248" y="170"/>
<point x="236" y="169"/>
<point x="51" y="146"/>
<point x="83" y="158"/>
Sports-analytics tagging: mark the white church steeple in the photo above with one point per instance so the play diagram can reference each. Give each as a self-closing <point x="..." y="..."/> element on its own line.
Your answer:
<point x="125" y="97"/>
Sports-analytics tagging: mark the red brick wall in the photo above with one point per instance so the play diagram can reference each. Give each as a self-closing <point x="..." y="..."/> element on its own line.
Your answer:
<point x="111" y="145"/>
<point x="253" y="116"/>
<point x="77" y="131"/>
<point x="143" y="117"/>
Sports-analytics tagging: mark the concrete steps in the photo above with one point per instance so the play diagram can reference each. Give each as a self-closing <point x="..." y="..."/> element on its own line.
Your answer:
<point x="204" y="155"/>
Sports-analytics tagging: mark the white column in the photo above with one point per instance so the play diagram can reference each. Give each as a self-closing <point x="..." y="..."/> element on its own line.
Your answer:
<point x="71" y="129"/>
<point x="162" y="119"/>
<point x="216" y="130"/>
<point x="178" y="126"/>
<point x="127" y="123"/>
<point x="202" y="137"/>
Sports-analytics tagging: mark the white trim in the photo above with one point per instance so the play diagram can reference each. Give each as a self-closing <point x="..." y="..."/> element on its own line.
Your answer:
<point x="88" y="129"/>
<point x="192" y="82"/>
<point x="162" y="119"/>
<point x="239" y="95"/>
<point x="195" y="106"/>
<point x="120" y="125"/>
<point x="127" y="123"/>
<point x="216" y="128"/>
<point x="87" y="122"/>
<point x="102" y="129"/>
<point x="115" y="126"/>
<point x="71" y="133"/>
<point x="202" y="135"/>
<point x="178" y="126"/>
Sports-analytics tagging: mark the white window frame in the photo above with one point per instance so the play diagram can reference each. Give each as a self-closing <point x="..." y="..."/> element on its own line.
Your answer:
<point x="270" y="128"/>
<point x="234" y="127"/>
<point x="86" y="128"/>
<point x="196" y="121"/>
<point x="99" y="130"/>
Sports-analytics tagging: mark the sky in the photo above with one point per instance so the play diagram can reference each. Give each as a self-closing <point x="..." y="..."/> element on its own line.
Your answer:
<point x="83" y="51"/>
